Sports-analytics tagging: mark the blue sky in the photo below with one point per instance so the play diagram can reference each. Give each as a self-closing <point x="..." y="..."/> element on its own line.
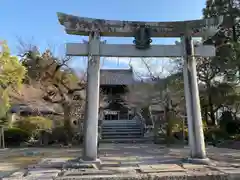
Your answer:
<point x="36" y="21"/>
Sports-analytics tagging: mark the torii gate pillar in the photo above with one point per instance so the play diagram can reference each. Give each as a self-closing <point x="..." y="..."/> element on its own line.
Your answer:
<point x="195" y="126"/>
<point x="92" y="99"/>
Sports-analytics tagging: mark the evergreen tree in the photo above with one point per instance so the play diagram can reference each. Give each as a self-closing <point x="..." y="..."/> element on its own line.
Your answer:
<point x="227" y="41"/>
<point x="231" y="8"/>
<point x="227" y="61"/>
<point x="12" y="73"/>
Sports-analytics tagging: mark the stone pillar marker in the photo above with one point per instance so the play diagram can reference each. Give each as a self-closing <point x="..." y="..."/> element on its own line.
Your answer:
<point x="195" y="126"/>
<point x="92" y="99"/>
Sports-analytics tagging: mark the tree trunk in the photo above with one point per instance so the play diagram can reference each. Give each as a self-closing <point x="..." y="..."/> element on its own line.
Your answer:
<point x="168" y="129"/>
<point x="147" y="115"/>
<point x="205" y="114"/>
<point x="210" y="105"/>
<point x="67" y="123"/>
<point x="211" y="110"/>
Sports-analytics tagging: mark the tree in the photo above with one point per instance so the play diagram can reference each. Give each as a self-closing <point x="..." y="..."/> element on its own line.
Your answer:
<point x="208" y="73"/>
<point x="218" y="75"/>
<point x="59" y="83"/>
<point x="226" y="40"/>
<point x="161" y="89"/>
<point x="12" y="73"/>
<point x="231" y="8"/>
<point x="173" y="101"/>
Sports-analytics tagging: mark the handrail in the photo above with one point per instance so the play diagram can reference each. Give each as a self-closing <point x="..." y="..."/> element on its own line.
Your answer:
<point x="142" y="122"/>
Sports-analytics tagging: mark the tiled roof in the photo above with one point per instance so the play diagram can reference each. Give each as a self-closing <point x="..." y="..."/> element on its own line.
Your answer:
<point x="116" y="77"/>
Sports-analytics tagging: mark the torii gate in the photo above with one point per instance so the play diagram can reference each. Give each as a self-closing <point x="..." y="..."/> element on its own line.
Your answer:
<point x="142" y="32"/>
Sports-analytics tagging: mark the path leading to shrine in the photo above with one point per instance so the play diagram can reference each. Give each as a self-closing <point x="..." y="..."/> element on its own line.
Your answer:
<point x="137" y="161"/>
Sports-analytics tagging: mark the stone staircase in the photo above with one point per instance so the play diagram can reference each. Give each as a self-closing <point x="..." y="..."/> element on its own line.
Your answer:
<point x="122" y="131"/>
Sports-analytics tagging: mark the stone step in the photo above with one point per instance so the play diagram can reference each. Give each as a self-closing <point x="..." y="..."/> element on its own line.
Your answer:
<point x="124" y="140"/>
<point x="121" y="133"/>
<point x="121" y="125"/>
<point x="122" y="130"/>
<point x="119" y="121"/>
<point x="121" y="136"/>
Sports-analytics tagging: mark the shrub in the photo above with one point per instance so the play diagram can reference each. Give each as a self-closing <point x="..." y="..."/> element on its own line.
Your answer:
<point x="41" y="122"/>
<point x="25" y="125"/>
<point x="214" y="134"/>
<point x="232" y="127"/>
<point x="229" y="124"/>
<point x="58" y="135"/>
<point x="14" y="136"/>
<point x="44" y="137"/>
<point x="34" y="123"/>
<point x="178" y="135"/>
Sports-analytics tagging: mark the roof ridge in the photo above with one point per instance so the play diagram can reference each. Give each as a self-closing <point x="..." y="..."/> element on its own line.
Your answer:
<point x="116" y="76"/>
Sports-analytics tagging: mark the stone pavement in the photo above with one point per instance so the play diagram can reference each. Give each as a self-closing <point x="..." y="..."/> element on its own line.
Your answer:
<point x="132" y="161"/>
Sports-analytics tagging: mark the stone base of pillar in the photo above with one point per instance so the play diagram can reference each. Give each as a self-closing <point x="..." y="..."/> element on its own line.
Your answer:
<point x="204" y="161"/>
<point x="78" y="163"/>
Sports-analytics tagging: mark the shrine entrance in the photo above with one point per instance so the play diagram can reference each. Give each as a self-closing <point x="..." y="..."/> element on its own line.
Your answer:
<point x="117" y="115"/>
<point x="114" y="84"/>
<point x="142" y="33"/>
<point x="111" y="115"/>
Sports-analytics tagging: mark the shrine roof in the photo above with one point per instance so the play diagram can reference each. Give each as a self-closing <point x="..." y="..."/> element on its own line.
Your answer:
<point x="83" y="26"/>
<point x="116" y="77"/>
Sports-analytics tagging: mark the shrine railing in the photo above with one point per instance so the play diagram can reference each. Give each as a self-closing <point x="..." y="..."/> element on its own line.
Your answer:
<point x="142" y="122"/>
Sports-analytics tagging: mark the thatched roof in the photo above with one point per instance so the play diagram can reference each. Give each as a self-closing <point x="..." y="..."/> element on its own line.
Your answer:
<point x="29" y="100"/>
<point x="36" y="110"/>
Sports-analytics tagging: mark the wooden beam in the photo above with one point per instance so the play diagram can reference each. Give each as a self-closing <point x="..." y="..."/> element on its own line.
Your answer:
<point x="83" y="26"/>
<point x="127" y="50"/>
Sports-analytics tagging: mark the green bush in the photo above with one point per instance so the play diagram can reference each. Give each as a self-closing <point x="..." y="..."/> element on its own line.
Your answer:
<point x="229" y="124"/>
<point x="15" y="136"/>
<point x="25" y="125"/>
<point x="233" y="127"/>
<point x="214" y="134"/>
<point x="41" y="122"/>
<point x="33" y="124"/>
<point x="58" y="135"/>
